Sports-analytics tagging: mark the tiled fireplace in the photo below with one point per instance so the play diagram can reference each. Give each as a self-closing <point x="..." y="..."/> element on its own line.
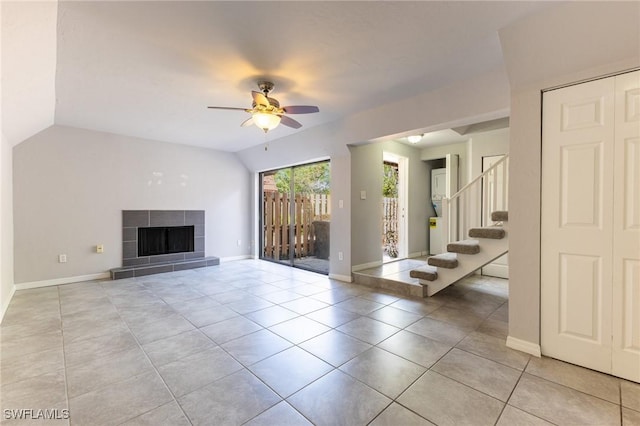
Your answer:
<point x="156" y="241"/>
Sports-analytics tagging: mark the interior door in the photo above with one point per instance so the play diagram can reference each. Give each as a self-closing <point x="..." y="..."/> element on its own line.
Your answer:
<point x="626" y="229"/>
<point x="577" y="223"/>
<point x="499" y="267"/>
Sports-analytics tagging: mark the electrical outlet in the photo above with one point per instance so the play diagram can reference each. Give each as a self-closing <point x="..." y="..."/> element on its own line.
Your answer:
<point x="340" y="256"/>
<point x="100" y="248"/>
<point x="62" y="258"/>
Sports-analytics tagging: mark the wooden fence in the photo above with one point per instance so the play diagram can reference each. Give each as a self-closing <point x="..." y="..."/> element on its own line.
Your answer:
<point x="390" y="226"/>
<point x="277" y="222"/>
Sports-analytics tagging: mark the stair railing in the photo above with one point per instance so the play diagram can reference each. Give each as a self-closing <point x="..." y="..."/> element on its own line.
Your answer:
<point x="472" y="205"/>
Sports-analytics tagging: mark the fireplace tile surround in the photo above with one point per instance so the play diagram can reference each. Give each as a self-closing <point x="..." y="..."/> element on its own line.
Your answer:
<point x="135" y="266"/>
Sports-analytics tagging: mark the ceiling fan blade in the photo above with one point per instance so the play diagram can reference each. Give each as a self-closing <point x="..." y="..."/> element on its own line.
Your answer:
<point x="229" y="108"/>
<point x="301" y="109"/>
<point x="260" y="99"/>
<point x="289" y="122"/>
<point x="248" y="122"/>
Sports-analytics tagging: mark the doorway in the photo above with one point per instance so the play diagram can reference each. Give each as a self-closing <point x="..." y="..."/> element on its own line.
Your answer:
<point x="295" y="216"/>
<point x="394" y="207"/>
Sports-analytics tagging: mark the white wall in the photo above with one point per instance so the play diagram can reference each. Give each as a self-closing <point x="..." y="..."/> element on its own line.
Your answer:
<point x="29" y="51"/>
<point x="340" y="218"/>
<point x="6" y="227"/>
<point x="71" y="185"/>
<point x="570" y="43"/>
<point x="486" y="144"/>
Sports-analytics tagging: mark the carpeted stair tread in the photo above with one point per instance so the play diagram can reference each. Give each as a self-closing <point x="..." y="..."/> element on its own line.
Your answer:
<point x="493" y="232"/>
<point x="428" y="273"/>
<point x="444" y="260"/>
<point x="500" y="216"/>
<point x="464" y="247"/>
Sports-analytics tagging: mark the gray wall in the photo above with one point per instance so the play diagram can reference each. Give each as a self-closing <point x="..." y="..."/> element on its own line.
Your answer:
<point x="71" y="185"/>
<point x="366" y="225"/>
<point x="542" y="52"/>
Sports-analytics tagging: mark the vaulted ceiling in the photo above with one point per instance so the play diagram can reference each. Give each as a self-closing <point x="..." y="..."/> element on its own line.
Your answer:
<point x="149" y="69"/>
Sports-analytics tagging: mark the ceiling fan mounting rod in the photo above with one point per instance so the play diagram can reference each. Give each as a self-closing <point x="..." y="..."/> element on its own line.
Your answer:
<point x="265" y="87"/>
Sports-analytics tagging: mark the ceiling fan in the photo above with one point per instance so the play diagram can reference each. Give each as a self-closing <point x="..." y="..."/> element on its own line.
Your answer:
<point x="266" y="112"/>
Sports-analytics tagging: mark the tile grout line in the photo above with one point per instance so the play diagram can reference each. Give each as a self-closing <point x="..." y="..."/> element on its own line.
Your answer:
<point x="155" y="369"/>
<point x="64" y="357"/>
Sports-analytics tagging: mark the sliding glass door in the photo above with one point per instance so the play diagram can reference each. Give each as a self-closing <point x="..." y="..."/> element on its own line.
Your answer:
<point x="295" y="216"/>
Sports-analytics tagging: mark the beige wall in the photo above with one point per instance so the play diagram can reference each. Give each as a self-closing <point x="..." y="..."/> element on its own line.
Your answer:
<point x="71" y="185"/>
<point x="576" y="41"/>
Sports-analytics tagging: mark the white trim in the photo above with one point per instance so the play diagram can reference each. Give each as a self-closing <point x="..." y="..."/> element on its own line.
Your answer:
<point x="66" y="280"/>
<point x="344" y="278"/>
<point x="232" y="258"/>
<point x="5" y="306"/>
<point x="356" y="268"/>
<point x="496" y="270"/>
<point x="417" y="254"/>
<point x="524" y="346"/>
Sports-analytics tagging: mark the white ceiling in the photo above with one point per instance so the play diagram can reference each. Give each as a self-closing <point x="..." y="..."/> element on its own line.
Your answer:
<point x="150" y="69"/>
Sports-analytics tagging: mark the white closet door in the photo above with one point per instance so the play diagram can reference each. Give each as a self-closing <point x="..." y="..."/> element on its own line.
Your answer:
<point x="626" y="229"/>
<point x="577" y="216"/>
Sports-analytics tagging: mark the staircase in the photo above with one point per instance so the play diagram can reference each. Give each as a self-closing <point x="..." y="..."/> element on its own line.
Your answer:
<point x="485" y="244"/>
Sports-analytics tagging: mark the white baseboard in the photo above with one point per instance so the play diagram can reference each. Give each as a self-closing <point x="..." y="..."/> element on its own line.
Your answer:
<point x="344" y="278"/>
<point x="417" y="254"/>
<point x="60" y="281"/>
<point x="5" y="303"/>
<point x="356" y="268"/>
<point x="496" y="270"/>
<point x="232" y="258"/>
<point x="524" y="346"/>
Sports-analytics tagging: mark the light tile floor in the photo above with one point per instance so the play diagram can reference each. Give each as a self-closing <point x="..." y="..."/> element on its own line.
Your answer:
<point x="252" y="342"/>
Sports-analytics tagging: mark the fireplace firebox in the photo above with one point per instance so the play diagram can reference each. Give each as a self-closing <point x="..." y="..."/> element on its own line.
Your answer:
<point x="165" y="240"/>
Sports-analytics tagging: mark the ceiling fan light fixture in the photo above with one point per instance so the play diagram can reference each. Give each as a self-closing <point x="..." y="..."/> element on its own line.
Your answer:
<point x="414" y="138"/>
<point x="266" y="121"/>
